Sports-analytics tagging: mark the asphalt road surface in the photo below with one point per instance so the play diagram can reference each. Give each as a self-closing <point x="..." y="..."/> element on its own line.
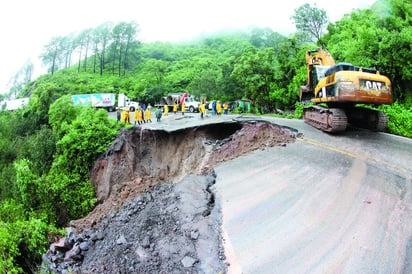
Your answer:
<point x="324" y="204"/>
<point x="327" y="203"/>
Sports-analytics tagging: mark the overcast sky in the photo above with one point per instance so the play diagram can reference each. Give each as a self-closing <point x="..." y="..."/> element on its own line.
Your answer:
<point x="27" y="25"/>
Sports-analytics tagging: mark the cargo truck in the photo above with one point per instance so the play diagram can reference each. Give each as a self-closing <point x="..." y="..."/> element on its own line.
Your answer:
<point x="14" y="104"/>
<point x="98" y="100"/>
<point x="191" y="104"/>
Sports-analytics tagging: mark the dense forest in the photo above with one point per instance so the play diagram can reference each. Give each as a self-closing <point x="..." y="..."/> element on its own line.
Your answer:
<point x="48" y="147"/>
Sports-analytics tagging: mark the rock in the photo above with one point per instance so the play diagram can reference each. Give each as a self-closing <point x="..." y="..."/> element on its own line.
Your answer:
<point x="138" y="181"/>
<point x="73" y="254"/>
<point x="84" y="246"/>
<point x="97" y="236"/>
<point x="121" y="240"/>
<point x="188" y="261"/>
<point x="124" y="194"/>
<point x="146" y="242"/>
<point x="62" y="245"/>
<point x="194" y="235"/>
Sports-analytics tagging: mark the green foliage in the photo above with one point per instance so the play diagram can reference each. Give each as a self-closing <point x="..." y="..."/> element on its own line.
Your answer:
<point x="23" y="237"/>
<point x="399" y="119"/>
<point x="8" y="187"/>
<point x="39" y="149"/>
<point x="256" y="69"/>
<point x="61" y="113"/>
<point x="35" y="197"/>
<point x="379" y="38"/>
<point x="9" y="250"/>
<point x="298" y="110"/>
<point x="69" y="197"/>
<point x="26" y="182"/>
<point x="89" y="135"/>
<point x="41" y="100"/>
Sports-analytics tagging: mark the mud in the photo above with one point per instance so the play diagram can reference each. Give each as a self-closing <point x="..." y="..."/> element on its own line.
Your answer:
<point x="157" y="210"/>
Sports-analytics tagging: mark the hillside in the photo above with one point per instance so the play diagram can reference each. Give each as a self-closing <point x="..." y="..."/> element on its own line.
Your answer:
<point x="158" y="211"/>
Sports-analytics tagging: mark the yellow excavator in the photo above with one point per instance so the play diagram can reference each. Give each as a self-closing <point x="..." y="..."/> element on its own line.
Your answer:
<point x="340" y="92"/>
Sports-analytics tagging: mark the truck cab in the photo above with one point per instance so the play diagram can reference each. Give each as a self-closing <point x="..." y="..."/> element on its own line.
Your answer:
<point x="191" y="104"/>
<point x="124" y="102"/>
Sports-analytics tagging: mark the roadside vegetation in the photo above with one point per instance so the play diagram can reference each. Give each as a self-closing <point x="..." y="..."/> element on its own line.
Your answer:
<point x="48" y="147"/>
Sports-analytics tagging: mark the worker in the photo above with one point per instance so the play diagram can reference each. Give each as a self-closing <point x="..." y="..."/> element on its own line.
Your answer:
<point x="183" y="109"/>
<point x="127" y="116"/>
<point x="175" y="108"/>
<point x="147" y="115"/>
<point x="225" y="108"/>
<point x="158" y="114"/>
<point x="213" y="108"/>
<point x="202" y="110"/>
<point x="138" y="116"/>
<point x="166" y="110"/>
<point x="118" y="115"/>
<point x="123" y="116"/>
<point x="218" y="108"/>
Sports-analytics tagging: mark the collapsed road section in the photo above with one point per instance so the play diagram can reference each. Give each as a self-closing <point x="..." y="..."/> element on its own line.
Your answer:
<point x="156" y="207"/>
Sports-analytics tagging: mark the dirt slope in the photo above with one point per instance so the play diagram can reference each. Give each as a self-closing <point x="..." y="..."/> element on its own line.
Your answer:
<point x="157" y="210"/>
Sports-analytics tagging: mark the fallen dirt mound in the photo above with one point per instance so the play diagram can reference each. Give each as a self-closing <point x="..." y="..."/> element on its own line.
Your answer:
<point x="153" y="216"/>
<point x="174" y="228"/>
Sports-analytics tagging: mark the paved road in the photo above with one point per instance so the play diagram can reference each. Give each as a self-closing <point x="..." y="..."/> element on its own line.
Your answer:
<point x="324" y="204"/>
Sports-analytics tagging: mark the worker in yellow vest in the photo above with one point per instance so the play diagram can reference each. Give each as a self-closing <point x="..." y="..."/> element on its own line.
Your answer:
<point x="166" y="110"/>
<point x="183" y="109"/>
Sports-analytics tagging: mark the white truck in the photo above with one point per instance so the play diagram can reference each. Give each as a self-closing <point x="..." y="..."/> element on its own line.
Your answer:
<point x="14" y="104"/>
<point x="98" y="100"/>
<point x="124" y="102"/>
<point x="191" y="104"/>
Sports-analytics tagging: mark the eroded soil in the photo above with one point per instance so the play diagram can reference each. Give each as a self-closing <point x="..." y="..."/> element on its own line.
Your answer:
<point x="157" y="211"/>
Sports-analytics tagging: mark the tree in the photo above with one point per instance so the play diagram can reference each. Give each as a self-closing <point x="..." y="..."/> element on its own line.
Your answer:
<point x="40" y="102"/>
<point x="86" y="137"/>
<point x="263" y="38"/>
<point x="256" y="70"/>
<point x="124" y="38"/>
<point x="39" y="149"/>
<point x="21" y="78"/>
<point x="101" y="39"/>
<point x="68" y="46"/>
<point x="52" y="55"/>
<point x="310" y="21"/>
<point x="61" y="113"/>
<point x="83" y="43"/>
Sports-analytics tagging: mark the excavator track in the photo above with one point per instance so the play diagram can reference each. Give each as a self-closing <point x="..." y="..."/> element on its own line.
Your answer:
<point x="326" y="119"/>
<point x="374" y="120"/>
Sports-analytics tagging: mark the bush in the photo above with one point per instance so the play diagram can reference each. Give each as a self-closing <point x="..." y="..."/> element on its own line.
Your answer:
<point x="399" y="119"/>
<point x="23" y="238"/>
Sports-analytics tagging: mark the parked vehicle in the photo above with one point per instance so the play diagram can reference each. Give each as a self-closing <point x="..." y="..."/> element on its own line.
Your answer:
<point x="124" y="102"/>
<point x="191" y="104"/>
<point x="98" y="100"/>
<point x="14" y="104"/>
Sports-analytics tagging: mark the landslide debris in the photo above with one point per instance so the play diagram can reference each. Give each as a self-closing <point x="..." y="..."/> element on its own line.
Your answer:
<point x="157" y="210"/>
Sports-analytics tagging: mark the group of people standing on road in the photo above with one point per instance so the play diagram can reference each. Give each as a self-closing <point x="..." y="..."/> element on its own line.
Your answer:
<point x="217" y="108"/>
<point x="142" y="114"/>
